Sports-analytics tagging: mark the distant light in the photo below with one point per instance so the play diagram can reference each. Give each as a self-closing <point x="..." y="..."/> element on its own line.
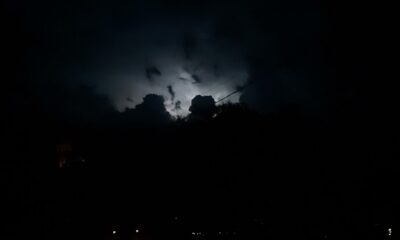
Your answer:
<point x="219" y="233"/>
<point x="197" y="233"/>
<point x="114" y="232"/>
<point x="137" y="231"/>
<point x="390" y="232"/>
<point x="176" y="218"/>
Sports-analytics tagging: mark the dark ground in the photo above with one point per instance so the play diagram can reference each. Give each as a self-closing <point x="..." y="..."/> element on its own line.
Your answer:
<point x="263" y="177"/>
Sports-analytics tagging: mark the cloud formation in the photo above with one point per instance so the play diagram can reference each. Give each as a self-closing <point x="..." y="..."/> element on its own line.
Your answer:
<point x="177" y="50"/>
<point x="178" y="71"/>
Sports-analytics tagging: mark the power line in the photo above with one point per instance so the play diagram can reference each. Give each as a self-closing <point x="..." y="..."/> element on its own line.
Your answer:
<point x="233" y="93"/>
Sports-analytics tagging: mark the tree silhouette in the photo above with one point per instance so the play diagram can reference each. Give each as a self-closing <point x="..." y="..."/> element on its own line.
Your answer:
<point x="202" y="108"/>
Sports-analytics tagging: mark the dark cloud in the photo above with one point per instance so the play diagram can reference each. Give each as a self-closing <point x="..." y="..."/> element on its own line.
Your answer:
<point x="240" y="88"/>
<point x="216" y="70"/>
<point x="189" y="45"/>
<point x="196" y="78"/>
<point x="178" y="105"/>
<point x="171" y="92"/>
<point x="152" y="72"/>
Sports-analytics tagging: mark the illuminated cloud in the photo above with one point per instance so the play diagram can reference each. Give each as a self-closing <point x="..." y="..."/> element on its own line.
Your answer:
<point x="214" y="68"/>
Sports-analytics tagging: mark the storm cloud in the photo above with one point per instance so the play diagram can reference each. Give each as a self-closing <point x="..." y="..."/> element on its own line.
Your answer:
<point x="127" y="51"/>
<point x="176" y="77"/>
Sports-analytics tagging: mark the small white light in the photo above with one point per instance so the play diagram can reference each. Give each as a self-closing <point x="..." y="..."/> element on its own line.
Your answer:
<point x="193" y="233"/>
<point x="137" y="231"/>
<point x="390" y="232"/>
<point x="219" y="233"/>
<point x="114" y="232"/>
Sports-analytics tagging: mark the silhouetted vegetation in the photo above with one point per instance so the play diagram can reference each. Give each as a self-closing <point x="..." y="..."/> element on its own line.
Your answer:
<point x="236" y="170"/>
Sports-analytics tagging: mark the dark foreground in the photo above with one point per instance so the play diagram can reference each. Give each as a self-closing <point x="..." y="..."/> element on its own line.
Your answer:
<point x="232" y="177"/>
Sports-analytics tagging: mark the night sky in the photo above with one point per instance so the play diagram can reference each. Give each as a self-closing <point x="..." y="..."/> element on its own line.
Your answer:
<point x="181" y="119"/>
<point x="177" y="49"/>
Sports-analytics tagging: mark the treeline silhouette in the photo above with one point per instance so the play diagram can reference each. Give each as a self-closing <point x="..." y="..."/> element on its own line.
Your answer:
<point x="223" y="168"/>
